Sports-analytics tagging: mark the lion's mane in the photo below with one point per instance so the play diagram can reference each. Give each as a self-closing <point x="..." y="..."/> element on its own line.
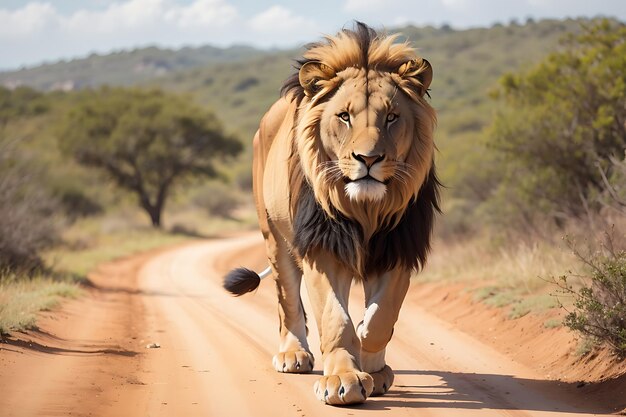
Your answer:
<point x="371" y="237"/>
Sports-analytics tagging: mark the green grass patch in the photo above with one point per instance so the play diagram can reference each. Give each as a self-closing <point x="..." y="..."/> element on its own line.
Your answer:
<point x="22" y="298"/>
<point x="584" y="347"/>
<point x="501" y="299"/>
<point x="484" y="293"/>
<point x="553" y="323"/>
<point x="534" y="303"/>
<point x="520" y="304"/>
<point x="495" y="296"/>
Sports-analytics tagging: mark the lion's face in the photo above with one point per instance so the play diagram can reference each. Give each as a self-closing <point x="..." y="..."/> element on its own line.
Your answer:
<point x="364" y="134"/>
<point x="367" y="131"/>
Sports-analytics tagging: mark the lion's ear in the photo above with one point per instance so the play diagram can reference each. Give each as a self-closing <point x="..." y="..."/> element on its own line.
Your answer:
<point x="418" y="68"/>
<point x="312" y="72"/>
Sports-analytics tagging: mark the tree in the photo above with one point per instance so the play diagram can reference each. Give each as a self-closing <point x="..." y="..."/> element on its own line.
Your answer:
<point x="562" y="123"/>
<point x="20" y="102"/>
<point x="146" y="141"/>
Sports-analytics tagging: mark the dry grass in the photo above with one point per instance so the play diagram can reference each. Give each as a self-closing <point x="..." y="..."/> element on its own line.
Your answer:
<point x="90" y="242"/>
<point x="22" y="299"/>
<point x="514" y="278"/>
<point x="83" y="255"/>
<point x="523" y="267"/>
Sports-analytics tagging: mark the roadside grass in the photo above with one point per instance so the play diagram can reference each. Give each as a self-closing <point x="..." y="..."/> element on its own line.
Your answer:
<point x="88" y="243"/>
<point x="553" y="323"/>
<point x="584" y="347"/>
<point x="22" y="299"/>
<point x="77" y="258"/>
<point x="92" y="241"/>
<point x="514" y="278"/>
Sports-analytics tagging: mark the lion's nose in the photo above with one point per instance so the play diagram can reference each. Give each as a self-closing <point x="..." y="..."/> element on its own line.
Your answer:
<point x="368" y="160"/>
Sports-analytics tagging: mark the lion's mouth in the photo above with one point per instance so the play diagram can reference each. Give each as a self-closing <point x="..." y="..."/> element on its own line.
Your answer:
<point x="368" y="177"/>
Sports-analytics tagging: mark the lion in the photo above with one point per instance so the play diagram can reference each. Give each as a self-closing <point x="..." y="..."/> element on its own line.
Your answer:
<point x="345" y="188"/>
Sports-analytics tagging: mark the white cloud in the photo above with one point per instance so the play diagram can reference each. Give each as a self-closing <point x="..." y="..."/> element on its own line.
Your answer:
<point x="204" y="12"/>
<point x="278" y="19"/>
<point x="138" y="15"/>
<point x="31" y="18"/>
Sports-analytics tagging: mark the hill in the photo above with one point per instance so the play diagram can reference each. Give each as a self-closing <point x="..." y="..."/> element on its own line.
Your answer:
<point x="122" y="67"/>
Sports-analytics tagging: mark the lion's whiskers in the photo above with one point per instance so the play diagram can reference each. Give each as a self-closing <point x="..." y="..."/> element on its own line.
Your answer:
<point x="330" y="170"/>
<point x="403" y="172"/>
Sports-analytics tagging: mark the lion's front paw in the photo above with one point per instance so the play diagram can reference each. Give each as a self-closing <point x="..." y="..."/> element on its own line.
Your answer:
<point x="293" y="361"/>
<point x="345" y="388"/>
<point x="383" y="380"/>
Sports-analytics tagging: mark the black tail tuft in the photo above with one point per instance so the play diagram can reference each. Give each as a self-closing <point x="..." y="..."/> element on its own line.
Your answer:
<point x="241" y="280"/>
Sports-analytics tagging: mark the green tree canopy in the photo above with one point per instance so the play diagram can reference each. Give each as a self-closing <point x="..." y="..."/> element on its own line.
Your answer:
<point x="562" y="124"/>
<point x="21" y="101"/>
<point x="147" y="141"/>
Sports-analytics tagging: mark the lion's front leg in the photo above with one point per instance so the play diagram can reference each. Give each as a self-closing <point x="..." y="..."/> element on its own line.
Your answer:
<point x="293" y="354"/>
<point x="384" y="295"/>
<point x="328" y="285"/>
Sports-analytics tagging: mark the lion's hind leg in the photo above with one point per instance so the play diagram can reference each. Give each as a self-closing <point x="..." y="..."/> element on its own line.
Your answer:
<point x="294" y="355"/>
<point x="384" y="295"/>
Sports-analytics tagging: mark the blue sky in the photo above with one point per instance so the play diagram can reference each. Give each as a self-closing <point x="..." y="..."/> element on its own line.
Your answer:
<point x="32" y="32"/>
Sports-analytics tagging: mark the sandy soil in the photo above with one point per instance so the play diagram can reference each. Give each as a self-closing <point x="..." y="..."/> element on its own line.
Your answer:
<point x="215" y="353"/>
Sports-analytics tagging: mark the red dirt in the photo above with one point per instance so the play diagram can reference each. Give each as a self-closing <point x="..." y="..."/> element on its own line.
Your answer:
<point x="599" y="376"/>
<point x="90" y="359"/>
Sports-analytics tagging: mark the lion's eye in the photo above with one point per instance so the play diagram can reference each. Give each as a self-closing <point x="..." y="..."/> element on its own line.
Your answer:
<point x="392" y="117"/>
<point x="345" y="116"/>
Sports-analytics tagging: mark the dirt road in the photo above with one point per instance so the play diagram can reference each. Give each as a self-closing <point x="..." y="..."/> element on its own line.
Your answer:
<point x="215" y="353"/>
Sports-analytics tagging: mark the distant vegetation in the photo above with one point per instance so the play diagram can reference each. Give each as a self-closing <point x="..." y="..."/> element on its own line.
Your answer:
<point x="121" y="68"/>
<point x="560" y="134"/>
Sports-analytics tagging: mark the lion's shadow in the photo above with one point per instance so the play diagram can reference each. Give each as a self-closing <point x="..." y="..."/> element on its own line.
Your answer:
<point x="474" y="391"/>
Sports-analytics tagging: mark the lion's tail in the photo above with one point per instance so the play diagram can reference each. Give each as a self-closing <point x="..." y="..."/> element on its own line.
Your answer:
<point x="242" y="280"/>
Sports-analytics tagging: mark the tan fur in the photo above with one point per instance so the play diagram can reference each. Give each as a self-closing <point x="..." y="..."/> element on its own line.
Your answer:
<point x="302" y="140"/>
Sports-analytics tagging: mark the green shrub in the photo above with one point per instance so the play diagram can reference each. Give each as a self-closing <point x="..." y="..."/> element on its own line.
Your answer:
<point x="600" y="300"/>
<point x="76" y="203"/>
<point x="552" y="323"/>
<point x="558" y="130"/>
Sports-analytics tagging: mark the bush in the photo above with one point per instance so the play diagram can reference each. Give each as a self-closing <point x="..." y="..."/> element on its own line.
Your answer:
<point x="27" y="221"/>
<point x="559" y="128"/>
<point x="76" y="203"/>
<point x="600" y="302"/>
<point x="218" y="199"/>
